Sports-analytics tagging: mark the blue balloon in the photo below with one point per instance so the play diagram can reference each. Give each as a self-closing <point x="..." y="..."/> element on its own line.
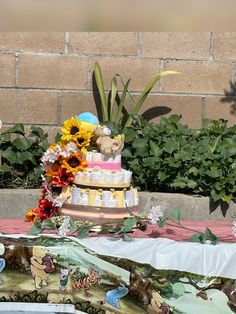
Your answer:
<point x="88" y="117"/>
<point x="2" y="264"/>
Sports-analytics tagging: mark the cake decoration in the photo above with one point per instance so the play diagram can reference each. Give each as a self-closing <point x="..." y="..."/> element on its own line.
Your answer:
<point x="83" y="176"/>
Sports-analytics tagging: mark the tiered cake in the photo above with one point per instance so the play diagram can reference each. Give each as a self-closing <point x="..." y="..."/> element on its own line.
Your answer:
<point x="102" y="192"/>
<point x="83" y="177"/>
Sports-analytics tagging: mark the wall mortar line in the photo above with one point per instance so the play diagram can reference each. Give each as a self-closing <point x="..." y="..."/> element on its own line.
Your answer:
<point x="66" y="42"/>
<point x="212" y="46"/>
<point x="17" y="69"/>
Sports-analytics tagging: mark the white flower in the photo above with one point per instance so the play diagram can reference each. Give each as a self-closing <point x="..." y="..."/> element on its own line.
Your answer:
<point x="155" y="214"/>
<point x="234" y="227"/>
<point x="51" y="155"/>
<point x="65" y="227"/>
<point x="70" y="149"/>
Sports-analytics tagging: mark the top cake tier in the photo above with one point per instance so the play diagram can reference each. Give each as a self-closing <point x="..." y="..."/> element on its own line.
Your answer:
<point x="96" y="159"/>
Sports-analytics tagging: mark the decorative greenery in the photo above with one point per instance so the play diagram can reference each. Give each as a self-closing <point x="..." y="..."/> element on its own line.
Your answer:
<point x="20" y="157"/>
<point x="125" y="228"/>
<point x="170" y="157"/>
<point x="112" y="106"/>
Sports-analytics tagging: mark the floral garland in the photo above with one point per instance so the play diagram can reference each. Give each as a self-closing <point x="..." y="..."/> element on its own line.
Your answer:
<point x="59" y="164"/>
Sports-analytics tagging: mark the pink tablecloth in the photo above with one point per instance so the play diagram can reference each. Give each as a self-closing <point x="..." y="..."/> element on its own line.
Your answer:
<point x="223" y="229"/>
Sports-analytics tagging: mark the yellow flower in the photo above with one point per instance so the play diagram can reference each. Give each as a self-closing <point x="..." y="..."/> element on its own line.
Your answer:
<point x="53" y="171"/>
<point x="75" y="162"/>
<point x="70" y="129"/>
<point x="82" y="140"/>
<point x="31" y="215"/>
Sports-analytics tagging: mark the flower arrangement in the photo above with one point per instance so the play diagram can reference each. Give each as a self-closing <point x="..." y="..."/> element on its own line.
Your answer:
<point x="60" y="162"/>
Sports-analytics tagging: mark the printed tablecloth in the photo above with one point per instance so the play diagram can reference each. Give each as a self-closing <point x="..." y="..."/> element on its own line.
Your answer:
<point x="108" y="275"/>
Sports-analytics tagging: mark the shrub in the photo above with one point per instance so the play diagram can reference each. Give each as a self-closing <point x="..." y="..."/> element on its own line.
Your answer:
<point x="20" y="157"/>
<point x="170" y="157"/>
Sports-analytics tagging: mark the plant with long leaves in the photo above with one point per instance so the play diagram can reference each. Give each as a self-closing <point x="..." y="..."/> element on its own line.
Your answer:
<point x="113" y="105"/>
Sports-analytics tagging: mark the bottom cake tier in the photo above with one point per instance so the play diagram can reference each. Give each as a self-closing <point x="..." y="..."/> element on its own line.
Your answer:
<point x="99" y="215"/>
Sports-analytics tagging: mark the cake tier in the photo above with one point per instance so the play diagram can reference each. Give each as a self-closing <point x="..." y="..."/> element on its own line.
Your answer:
<point x="97" y="177"/>
<point x="98" y="215"/>
<point x="96" y="159"/>
<point x="111" y="198"/>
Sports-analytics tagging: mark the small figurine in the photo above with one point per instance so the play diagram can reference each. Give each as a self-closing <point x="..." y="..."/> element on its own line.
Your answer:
<point x="113" y="296"/>
<point x="107" y="145"/>
<point x="2" y="262"/>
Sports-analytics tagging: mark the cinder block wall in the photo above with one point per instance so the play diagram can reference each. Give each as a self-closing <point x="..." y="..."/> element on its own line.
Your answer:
<point x="47" y="77"/>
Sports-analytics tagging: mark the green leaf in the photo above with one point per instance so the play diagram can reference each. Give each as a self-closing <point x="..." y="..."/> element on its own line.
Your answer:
<point x="122" y="101"/>
<point x="35" y="230"/>
<point x="22" y="143"/>
<point x="176" y="214"/>
<point x="198" y="237"/>
<point x="129" y="223"/>
<point x="5" y="168"/>
<point x="211" y="236"/>
<point x="139" y="142"/>
<point x="213" y="146"/>
<point x="73" y="228"/>
<point x="140" y="100"/>
<point x="113" y="97"/>
<point x="99" y="81"/>
<point x="171" y="146"/>
<point x="82" y="232"/>
<point x="5" y="137"/>
<point x="228" y="198"/>
<point x="10" y="155"/>
<point x="215" y="196"/>
<point x="130" y="134"/>
<point x="154" y="149"/>
<point x="37" y="131"/>
<point x="127" y="153"/>
<point x="57" y="137"/>
<point x="17" y="128"/>
<point x="161" y="222"/>
<point x="127" y="238"/>
<point x="26" y="156"/>
<point x="47" y="224"/>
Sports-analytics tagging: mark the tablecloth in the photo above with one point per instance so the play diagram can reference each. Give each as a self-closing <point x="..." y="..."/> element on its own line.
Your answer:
<point x="152" y="274"/>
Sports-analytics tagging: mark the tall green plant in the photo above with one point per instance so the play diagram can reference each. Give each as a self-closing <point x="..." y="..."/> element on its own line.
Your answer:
<point x="115" y="113"/>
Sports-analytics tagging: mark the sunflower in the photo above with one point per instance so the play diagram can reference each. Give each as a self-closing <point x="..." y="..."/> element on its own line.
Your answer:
<point x="82" y="140"/>
<point x="46" y="209"/>
<point x="75" y="162"/>
<point x="70" y="129"/>
<point x="63" y="178"/>
<point x="54" y="170"/>
<point x="31" y="215"/>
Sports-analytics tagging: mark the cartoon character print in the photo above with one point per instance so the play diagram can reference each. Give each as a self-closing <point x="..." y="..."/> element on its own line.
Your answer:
<point x="85" y="281"/>
<point x="42" y="265"/>
<point x="2" y="262"/>
<point x="113" y="296"/>
<point x="64" y="278"/>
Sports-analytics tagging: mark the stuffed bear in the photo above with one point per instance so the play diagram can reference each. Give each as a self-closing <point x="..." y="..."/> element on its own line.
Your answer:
<point x="107" y="145"/>
<point x="40" y="267"/>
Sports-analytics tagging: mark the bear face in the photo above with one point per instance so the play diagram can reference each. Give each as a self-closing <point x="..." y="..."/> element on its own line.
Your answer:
<point x="39" y="251"/>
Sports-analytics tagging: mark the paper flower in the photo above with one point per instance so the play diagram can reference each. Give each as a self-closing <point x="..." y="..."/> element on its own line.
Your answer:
<point x="155" y="214"/>
<point x="46" y="209"/>
<point x="31" y="215"/>
<point x="63" y="178"/>
<point x="74" y="163"/>
<point x="70" y="128"/>
<point x="82" y="140"/>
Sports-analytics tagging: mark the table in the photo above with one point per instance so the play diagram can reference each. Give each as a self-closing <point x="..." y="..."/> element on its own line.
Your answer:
<point x="152" y="274"/>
